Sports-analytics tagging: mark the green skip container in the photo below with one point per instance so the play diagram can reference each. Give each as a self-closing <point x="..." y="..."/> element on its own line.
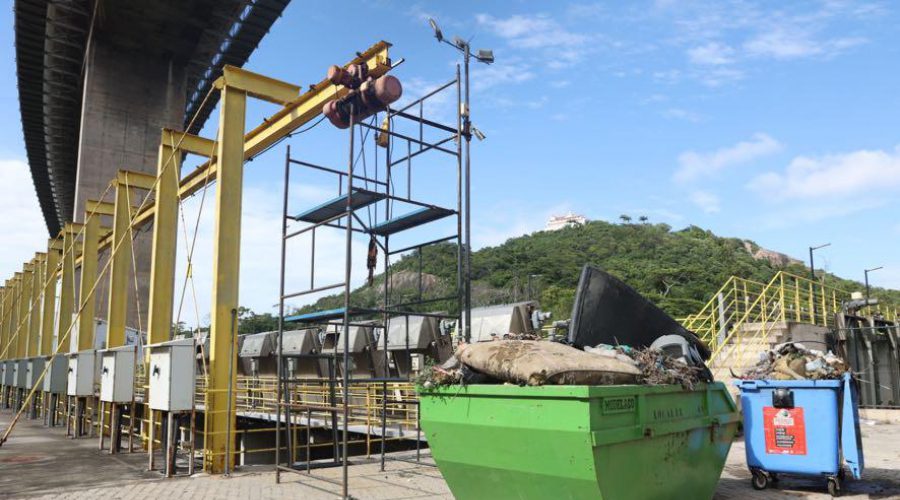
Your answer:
<point x="598" y="442"/>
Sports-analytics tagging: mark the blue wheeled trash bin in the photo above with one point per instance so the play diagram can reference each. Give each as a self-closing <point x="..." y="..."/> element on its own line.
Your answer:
<point x="801" y="427"/>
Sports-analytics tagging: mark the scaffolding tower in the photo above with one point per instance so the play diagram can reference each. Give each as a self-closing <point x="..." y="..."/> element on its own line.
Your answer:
<point x="383" y="187"/>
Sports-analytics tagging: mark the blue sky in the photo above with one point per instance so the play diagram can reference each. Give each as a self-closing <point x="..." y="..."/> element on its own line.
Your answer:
<point x="774" y="121"/>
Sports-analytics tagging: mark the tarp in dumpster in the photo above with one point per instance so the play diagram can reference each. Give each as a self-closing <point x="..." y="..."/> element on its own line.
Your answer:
<point x="539" y="363"/>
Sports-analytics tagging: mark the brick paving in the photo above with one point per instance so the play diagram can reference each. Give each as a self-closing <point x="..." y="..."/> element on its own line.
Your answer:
<point x="41" y="463"/>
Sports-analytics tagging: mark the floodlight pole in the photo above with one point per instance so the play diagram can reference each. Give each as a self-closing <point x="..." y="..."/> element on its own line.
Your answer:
<point x="467" y="263"/>
<point x="463" y="46"/>
<point x="866" y="272"/>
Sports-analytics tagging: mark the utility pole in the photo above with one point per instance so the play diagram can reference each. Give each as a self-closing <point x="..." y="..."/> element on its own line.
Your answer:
<point x="812" y="275"/>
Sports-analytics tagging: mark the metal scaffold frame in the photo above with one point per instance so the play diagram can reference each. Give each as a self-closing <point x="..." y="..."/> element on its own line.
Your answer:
<point x="356" y="193"/>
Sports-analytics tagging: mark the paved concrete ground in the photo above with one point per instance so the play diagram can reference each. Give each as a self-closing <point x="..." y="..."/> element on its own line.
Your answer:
<point x="41" y="463"/>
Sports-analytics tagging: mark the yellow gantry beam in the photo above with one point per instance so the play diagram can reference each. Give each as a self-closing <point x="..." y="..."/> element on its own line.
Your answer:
<point x="294" y="115"/>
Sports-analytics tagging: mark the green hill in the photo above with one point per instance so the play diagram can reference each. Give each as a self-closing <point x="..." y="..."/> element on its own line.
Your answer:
<point x="677" y="270"/>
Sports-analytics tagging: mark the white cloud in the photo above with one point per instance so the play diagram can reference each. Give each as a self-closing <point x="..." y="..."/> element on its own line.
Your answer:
<point x="706" y="201"/>
<point x="787" y="42"/>
<point x="559" y="46"/>
<point x="693" y="165"/>
<point x="683" y="114"/>
<point x="532" y="31"/>
<point x="711" y="54"/>
<point x="508" y="72"/>
<point x="495" y="225"/>
<point x="832" y="176"/>
<point x="22" y="224"/>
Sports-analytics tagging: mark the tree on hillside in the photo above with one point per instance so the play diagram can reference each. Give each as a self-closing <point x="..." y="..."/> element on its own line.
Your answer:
<point x="626" y="219"/>
<point x="643" y="219"/>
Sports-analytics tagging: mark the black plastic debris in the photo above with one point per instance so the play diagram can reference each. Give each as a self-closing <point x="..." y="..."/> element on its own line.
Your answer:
<point x="607" y="311"/>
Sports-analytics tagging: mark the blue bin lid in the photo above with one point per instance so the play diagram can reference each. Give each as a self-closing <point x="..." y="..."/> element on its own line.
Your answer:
<point x="788" y="384"/>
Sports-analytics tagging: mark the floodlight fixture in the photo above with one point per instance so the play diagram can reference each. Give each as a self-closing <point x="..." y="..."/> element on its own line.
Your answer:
<point x="437" y="29"/>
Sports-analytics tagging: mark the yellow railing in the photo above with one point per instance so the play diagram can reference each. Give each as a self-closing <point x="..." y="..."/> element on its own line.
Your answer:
<point x="744" y="312"/>
<point x="255" y="396"/>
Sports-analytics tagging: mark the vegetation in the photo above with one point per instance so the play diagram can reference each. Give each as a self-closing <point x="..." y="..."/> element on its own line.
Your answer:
<point x="678" y="270"/>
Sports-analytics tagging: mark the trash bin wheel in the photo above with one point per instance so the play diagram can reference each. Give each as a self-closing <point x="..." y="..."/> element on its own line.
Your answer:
<point x="760" y="479"/>
<point x="834" y="487"/>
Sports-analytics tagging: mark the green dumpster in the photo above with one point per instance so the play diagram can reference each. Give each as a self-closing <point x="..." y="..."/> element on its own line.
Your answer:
<point x="554" y="442"/>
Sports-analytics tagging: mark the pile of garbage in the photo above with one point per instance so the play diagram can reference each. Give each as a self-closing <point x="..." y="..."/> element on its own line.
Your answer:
<point x="793" y="361"/>
<point x="534" y="363"/>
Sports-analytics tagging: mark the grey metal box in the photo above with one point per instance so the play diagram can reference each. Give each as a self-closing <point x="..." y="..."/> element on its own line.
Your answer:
<point x="84" y="373"/>
<point x="21" y="370"/>
<point x="34" y="371"/>
<point x="117" y="374"/>
<point x="171" y="375"/>
<point x="9" y="372"/>
<point x="415" y="334"/>
<point x="57" y="374"/>
<point x="259" y="345"/>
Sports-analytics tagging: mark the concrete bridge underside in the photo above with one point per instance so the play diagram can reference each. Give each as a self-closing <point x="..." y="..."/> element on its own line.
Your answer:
<point x="98" y="79"/>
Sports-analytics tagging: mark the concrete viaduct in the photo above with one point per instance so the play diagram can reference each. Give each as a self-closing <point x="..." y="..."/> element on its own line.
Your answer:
<point x="98" y="79"/>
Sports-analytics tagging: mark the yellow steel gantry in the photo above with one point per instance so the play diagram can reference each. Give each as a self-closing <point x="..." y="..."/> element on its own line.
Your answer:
<point x="224" y="166"/>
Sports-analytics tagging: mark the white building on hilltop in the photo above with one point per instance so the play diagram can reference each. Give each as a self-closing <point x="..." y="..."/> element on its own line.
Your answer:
<point x="569" y="220"/>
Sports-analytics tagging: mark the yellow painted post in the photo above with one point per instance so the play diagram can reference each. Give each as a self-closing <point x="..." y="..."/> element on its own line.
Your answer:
<point x="165" y="228"/>
<point x="88" y="277"/>
<point x="825" y="312"/>
<point x="4" y="316"/>
<point x="781" y="296"/>
<point x="797" y="299"/>
<point x="49" y="298"/>
<point x="220" y="419"/>
<point x="67" y="286"/>
<point x="34" y="320"/>
<point x="11" y="345"/>
<point x="119" y="268"/>
<point x="22" y="319"/>
<point x="165" y="237"/>
<point x="812" y="303"/>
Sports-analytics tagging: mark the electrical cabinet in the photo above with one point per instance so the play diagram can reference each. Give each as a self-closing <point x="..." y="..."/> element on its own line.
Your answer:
<point x="8" y="375"/>
<point x="171" y="375"/>
<point x="83" y="373"/>
<point x="33" y="372"/>
<point x="55" y="379"/>
<point x="21" y="371"/>
<point x="117" y="374"/>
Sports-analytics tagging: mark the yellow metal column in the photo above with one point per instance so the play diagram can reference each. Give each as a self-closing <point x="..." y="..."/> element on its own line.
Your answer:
<point x="22" y="318"/>
<point x="220" y="418"/>
<point x="51" y="264"/>
<point x="165" y="238"/>
<point x="165" y="228"/>
<point x="67" y="287"/>
<point x="5" y="316"/>
<point x="120" y="267"/>
<point x="34" y="321"/>
<point x="11" y="340"/>
<point x="88" y="277"/>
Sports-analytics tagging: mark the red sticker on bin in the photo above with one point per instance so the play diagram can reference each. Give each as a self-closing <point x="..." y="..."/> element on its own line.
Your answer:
<point x="785" y="431"/>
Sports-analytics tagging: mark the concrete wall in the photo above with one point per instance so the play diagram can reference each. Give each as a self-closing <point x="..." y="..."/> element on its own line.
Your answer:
<point x="128" y="98"/>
